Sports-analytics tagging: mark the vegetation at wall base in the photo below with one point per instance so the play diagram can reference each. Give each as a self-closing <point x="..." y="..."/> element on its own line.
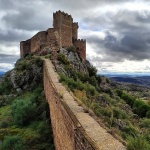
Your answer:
<point x="125" y="116"/>
<point x="24" y="117"/>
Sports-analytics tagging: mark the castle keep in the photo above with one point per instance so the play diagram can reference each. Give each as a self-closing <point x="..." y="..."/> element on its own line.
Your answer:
<point x="63" y="35"/>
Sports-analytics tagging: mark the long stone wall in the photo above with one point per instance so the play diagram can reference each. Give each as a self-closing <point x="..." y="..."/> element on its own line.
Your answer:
<point x="73" y="129"/>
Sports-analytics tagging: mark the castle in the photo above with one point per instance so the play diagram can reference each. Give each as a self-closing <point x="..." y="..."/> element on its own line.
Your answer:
<point x="64" y="34"/>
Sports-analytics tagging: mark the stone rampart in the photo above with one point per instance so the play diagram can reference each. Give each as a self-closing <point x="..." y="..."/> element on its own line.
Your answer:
<point x="73" y="129"/>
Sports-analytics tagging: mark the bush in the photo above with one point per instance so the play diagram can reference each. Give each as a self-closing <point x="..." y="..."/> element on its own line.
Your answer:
<point x="63" y="59"/>
<point x="131" y="131"/>
<point x="137" y="143"/>
<point x="139" y="107"/>
<point x="119" y="114"/>
<point x="148" y="114"/>
<point x="90" y="90"/>
<point x="71" y="49"/>
<point x="6" y="86"/>
<point x="92" y="71"/>
<point x="145" y="123"/>
<point x="48" y="56"/>
<point x="38" y="61"/>
<point x="22" y="65"/>
<point x="12" y="143"/>
<point x="23" y="111"/>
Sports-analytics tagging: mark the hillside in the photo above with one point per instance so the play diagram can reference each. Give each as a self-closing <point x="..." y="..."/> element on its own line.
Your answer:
<point x="121" y="112"/>
<point x="115" y="109"/>
<point x="24" y="112"/>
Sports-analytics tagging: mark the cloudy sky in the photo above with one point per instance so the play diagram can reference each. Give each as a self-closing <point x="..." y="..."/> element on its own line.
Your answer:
<point x="117" y="31"/>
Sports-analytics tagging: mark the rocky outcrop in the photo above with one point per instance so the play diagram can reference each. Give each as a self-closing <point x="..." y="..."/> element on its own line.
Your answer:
<point x="75" y="60"/>
<point x="26" y="74"/>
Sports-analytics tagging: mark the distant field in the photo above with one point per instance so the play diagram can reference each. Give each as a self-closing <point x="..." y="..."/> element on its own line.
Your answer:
<point x="139" y="80"/>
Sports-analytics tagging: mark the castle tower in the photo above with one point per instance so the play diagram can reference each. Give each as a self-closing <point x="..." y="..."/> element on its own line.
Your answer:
<point x="75" y="30"/>
<point x="63" y="35"/>
<point x="80" y="46"/>
<point x="62" y="22"/>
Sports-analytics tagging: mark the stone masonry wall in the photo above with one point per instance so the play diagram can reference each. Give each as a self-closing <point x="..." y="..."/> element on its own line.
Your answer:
<point x="62" y="23"/>
<point x="80" y="46"/>
<point x="25" y="47"/>
<point x="37" y="41"/>
<point x="73" y="129"/>
<point x="67" y="135"/>
<point x="62" y="125"/>
<point x="75" y="31"/>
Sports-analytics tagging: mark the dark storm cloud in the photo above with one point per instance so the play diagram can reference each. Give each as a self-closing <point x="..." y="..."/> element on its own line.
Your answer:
<point x="133" y="46"/>
<point x="8" y="58"/>
<point x="7" y="36"/>
<point x="35" y="14"/>
<point x="127" y="32"/>
<point x="131" y="38"/>
<point x="27" y="17"/>
<point x="25" y="21"/>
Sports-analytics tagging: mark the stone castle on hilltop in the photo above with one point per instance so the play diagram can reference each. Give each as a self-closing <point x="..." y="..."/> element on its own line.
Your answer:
<point x="64" y="34"/>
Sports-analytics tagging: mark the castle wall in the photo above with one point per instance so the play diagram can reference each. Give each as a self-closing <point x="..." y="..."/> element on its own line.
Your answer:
<point x="37" y="41"/>
<point x="66" y="129"/>
<point x="75" y="31"/>
<point x="25" y="47"/>
<point x="52" y="39"/>
<point x="80" y="46"/>
<point x="73" y="128"/>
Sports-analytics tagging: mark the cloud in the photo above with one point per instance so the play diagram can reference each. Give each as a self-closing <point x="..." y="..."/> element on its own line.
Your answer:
<point x="116" y="31"/>
<point x="7" y="62"/>
<point x="14" y="35"/>
<point x="8" y="58"/>
<point x="126" y="36"/>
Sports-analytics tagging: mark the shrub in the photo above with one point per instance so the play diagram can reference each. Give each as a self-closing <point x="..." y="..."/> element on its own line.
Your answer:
<point x="22" y="65"/>
<point x="92" y="80"/>
<point x="12" y="143"/>
<point x="92" y="71"/>
<point x="3" y="124"/>
<point x="48" y="56"/>
<point x="90" y="90"/>
<point x="5" y="86"/>
<point x="145" y="123"/>
<point x="130" y="130"/>
<point x="139" y="107"/>
<point x="148" y="114"/>
<point x="38" y="61"/>
<point x="107" y="80"/>
<point x="63" y="59"/>
<point x="71" y="49"/>
<point x="119" y="114"/>
<point x="23" y="111"/>
<point x="137" y="143"/>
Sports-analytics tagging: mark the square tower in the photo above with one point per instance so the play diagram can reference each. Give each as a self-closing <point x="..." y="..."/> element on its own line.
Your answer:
<point x="62" y="22"/>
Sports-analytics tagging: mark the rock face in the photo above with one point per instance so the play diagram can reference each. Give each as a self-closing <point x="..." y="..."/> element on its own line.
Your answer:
<point x="75" y="60"/>
<point x="26" y="75"/>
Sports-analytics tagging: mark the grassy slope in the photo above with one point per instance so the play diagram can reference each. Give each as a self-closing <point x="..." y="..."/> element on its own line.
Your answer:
<point x="24" y="118"/>
<point x="123" y="119"/>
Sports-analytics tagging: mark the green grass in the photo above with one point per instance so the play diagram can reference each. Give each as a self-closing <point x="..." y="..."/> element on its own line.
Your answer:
<point x="116" y="108"/>
<point x="25" y="123"/>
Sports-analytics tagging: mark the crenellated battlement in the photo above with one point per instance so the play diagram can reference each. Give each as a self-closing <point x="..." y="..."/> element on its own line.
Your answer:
<point x="63" y="14"/>
<point x="63" y="34"/>
<point x="80" y="40"/>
